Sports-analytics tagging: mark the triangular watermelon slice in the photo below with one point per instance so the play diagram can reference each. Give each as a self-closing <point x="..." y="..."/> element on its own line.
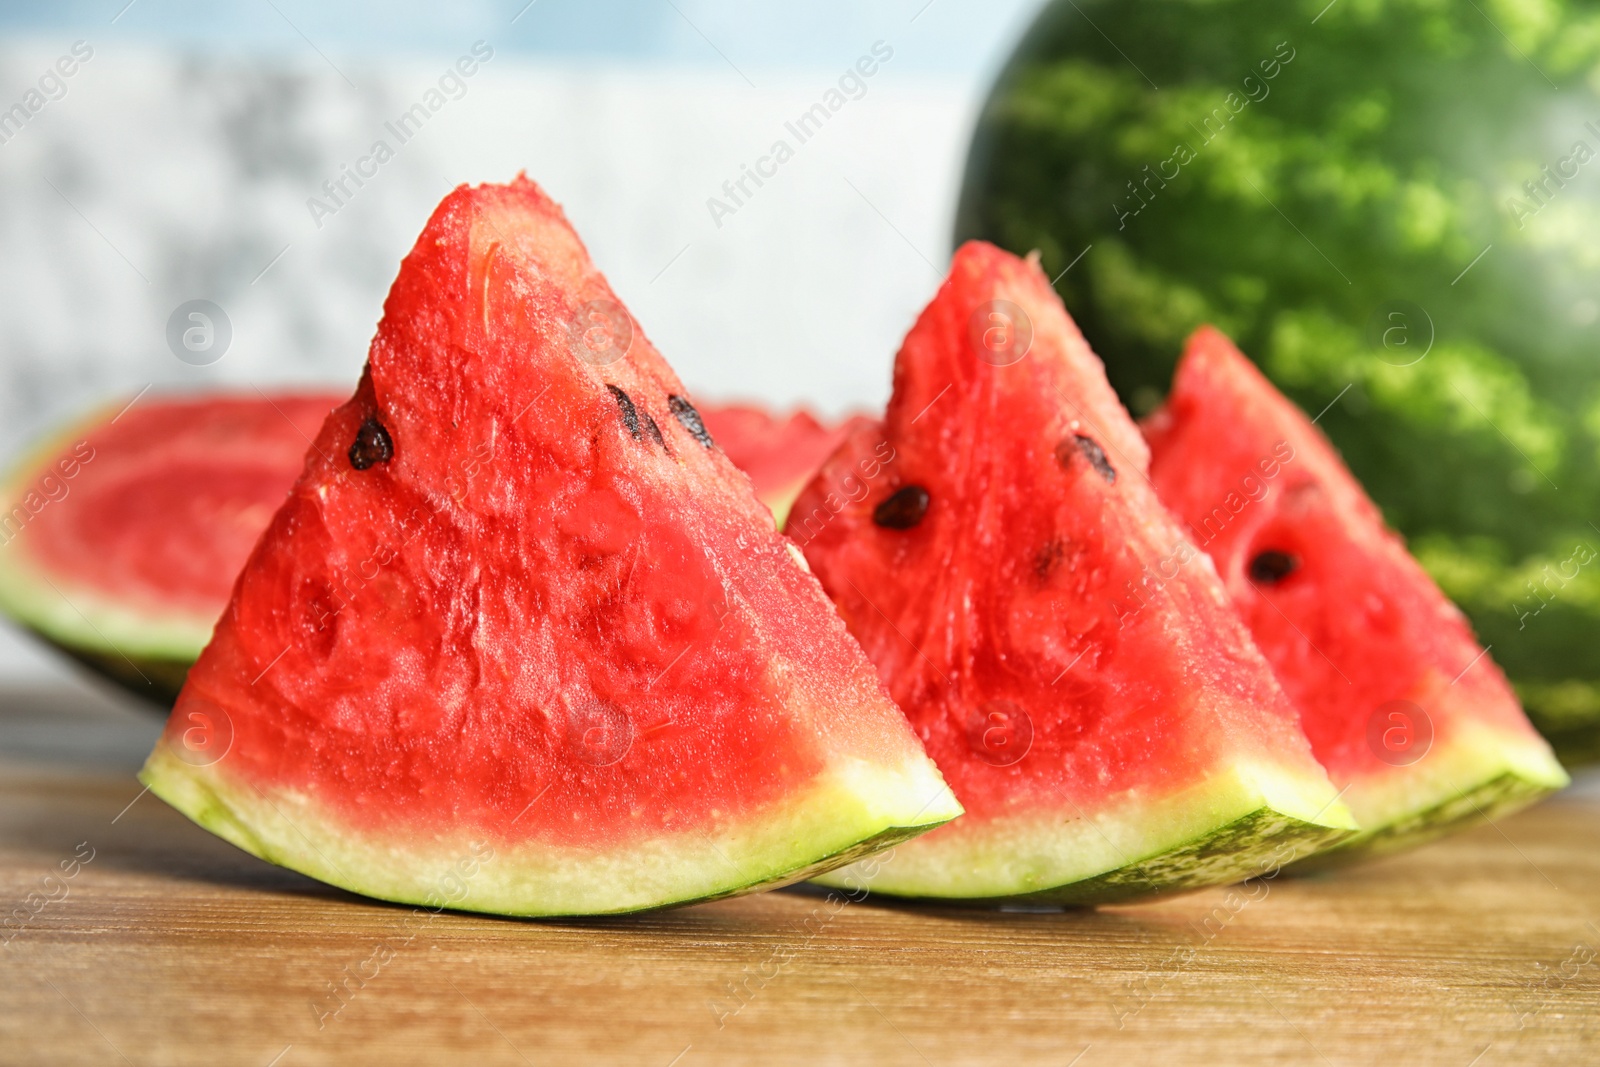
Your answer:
<point x="123" y="531"/>
<point x="1068" y="657"/>
<point x="1404" y="708"/>
<point x="521" y="640"/>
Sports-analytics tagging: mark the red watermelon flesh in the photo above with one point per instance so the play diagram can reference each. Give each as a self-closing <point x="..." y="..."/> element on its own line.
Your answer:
<point x="780" y="453"/>
<point x="125" y="531"/>
<point x="134" y="559"/>
<point x="517" y="603"/>
<point x="990" y="544"/>
<point x="1403" y="707"/>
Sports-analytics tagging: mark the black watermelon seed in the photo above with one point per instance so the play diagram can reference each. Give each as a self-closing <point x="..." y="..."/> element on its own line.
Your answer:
<point x="630" y="415"/>
<point x="1272" y="566"/>
<point x="654" y="431"/>
<point x="372" y="445"/>
<point x="690" y="419"/>
<point x="903" y="509"/>
<point x="1090" y="450"/>
<point x="1047" y="558"/>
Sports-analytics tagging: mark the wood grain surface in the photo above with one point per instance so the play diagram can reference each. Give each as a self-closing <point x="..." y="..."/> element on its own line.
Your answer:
<point x="170" y="947"/>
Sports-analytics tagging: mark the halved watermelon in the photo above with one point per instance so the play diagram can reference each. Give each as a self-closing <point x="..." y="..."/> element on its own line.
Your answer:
<point x="1407" y="712"/>
<point x="124" y="532"/>
<point x="1067" y="656"/>
<point x="517" y="607"/>
<point x="779" y="453"/>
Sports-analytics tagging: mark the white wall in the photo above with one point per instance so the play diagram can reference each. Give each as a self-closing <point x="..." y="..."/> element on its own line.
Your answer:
<point x="179" y="163"/>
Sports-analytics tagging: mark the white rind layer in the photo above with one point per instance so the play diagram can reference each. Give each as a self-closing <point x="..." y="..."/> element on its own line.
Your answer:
<point x="1144" y="844"/>
<point x="851" y="809"/>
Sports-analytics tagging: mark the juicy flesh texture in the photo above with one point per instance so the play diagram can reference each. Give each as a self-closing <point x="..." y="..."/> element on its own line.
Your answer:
<point x="1020" y="584"/>
<point x="779" y="453"/>
<point x="178" y="489"/>
<point x="536" y="620"/>
<point x="176" y="492"/>
<point x="1356" y="623"/>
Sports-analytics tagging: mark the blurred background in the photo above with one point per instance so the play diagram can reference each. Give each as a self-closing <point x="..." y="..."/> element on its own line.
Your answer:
<point x="180" y="161"/>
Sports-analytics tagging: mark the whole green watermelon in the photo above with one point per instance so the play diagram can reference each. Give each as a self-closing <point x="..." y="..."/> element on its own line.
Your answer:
<point x="1394" y="207"/>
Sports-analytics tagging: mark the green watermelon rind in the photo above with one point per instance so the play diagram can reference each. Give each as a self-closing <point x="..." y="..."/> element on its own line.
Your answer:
<point x="77" y="619"/>
<point x="149" y="657"/>
<point x="845" y="815"/>
<point x="780" y="501"/>
<point x="1502" y="795"/>
<point x="1481" y="774"/>
<point x="1257" y="844"/>
<point x="1234" y="825"/>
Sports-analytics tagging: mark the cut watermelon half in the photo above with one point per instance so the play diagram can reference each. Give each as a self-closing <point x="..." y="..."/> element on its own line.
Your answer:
<point x="779" y="453"/>
<point x="124" y="532"/>
<point x="1408" y="713"/>
<point x="520" y="640"/>
<point x="126" y="529"/>
<point x="1069" y="659"/>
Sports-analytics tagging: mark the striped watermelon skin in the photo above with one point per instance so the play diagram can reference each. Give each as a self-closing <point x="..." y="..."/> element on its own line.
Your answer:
<point x="1382" y="202"/>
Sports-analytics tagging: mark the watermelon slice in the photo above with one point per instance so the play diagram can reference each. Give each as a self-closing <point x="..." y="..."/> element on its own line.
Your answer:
<point x="149" y="543"/>
<point x="1069" y="659"/>
<point x="521" y="640"/>
<point x="1409" y="715"/>
<point x="779" y="453"/>
<point x="124" y="532"/>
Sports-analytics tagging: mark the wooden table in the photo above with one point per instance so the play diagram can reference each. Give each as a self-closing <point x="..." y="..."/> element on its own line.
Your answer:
<point x="170" y="947"/>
